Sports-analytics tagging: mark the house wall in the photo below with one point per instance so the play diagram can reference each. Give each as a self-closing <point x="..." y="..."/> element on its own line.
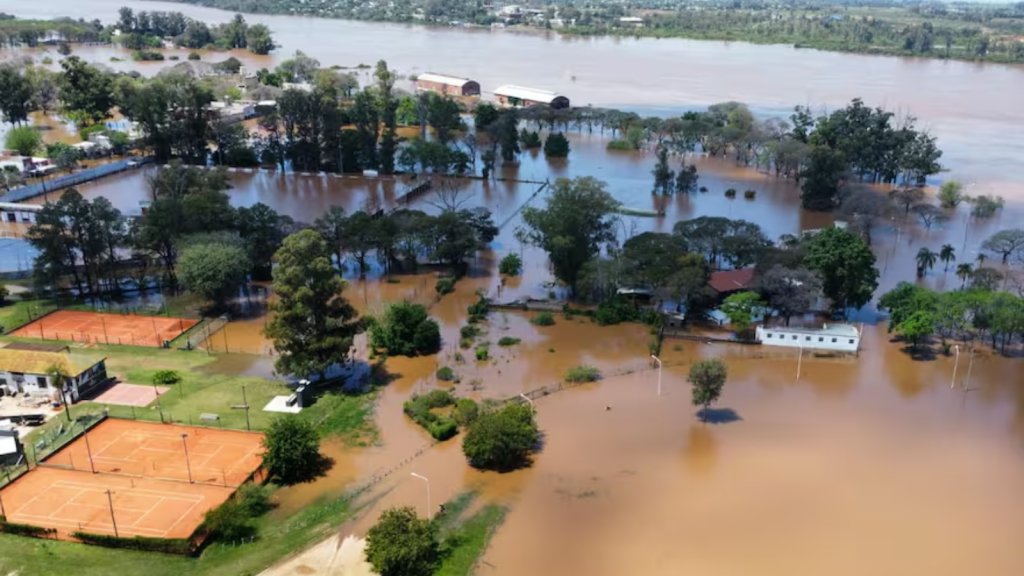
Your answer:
<point x="807" y="339"/>
<point x="40" y="384"/>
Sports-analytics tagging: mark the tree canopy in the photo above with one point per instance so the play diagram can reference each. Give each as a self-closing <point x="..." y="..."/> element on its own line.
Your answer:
<point x="845" y="265"/>
<point x="502" y="439"/>
<point x="292" y="450"/>
<point x="400" y="544"/>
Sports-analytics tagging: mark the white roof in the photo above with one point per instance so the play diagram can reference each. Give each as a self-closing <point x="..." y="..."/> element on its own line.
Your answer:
<point x="442" y="79"/>
<point x="12" y="207"/>
<point x="523" y="93"/>
<point x="829" y="329"/>
<point x="8" y="445"/>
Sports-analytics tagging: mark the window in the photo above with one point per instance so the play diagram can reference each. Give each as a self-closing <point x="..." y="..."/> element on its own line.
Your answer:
<point x="833" y="340"/>
<point x="768" y="335"/>
<point x="41" y="380"/>
<point x="794" y="336"/>
<point x="851" y="340"/>
<point x="820" y="339"/>
<point x="808" y="338"/>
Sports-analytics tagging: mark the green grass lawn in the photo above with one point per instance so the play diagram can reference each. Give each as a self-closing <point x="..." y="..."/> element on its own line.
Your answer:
<point x="18" y="312"/>
<point x="466" y="539"/>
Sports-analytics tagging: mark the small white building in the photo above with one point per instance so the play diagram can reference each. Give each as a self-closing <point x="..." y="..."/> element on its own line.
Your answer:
<point x="831" y="337"/>
<point x="511" y="96"/>
<point x="24" y="213"/>
<point x="27" y="372"/>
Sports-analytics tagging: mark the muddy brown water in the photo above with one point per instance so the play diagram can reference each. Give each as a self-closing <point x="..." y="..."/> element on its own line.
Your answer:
<point x="971" y="107"/>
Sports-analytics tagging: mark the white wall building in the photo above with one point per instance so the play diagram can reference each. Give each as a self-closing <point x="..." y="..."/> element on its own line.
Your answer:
<point x="832" y="337"/>
<point x="11" y="212"/>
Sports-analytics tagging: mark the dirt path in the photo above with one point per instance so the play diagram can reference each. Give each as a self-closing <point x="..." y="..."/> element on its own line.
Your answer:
<point x="336" y="556"/>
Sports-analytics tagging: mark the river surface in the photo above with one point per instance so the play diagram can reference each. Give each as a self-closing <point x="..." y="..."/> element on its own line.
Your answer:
<point x="973" y="108"/>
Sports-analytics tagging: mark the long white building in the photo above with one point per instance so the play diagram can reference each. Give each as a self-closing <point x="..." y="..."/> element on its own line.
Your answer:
<point x="832" y="337"/>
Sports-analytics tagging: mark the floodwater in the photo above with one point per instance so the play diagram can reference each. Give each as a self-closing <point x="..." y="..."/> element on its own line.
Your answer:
<point x="971" y="107"/>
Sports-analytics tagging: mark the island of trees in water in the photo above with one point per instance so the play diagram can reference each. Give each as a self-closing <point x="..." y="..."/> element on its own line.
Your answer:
<point x="142" y="31"/>
<point x="935" y="29"/>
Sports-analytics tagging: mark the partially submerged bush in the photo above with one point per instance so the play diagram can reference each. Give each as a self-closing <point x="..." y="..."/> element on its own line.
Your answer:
<point x="581" y="374"/>
<point x="420" y="409"/>
<point x="508" y="341"/>
<point x="511" y="265"/>
<point x="543" y="319"/>
<point x="503" y="439"/>
<point x="446" y="374"/>
<point x="444" y="286"/>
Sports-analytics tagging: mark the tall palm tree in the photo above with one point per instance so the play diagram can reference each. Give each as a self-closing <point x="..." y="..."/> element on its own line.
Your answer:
<point x="981" y="259"/>
<point x="947" y="254"/>
<point x="925" y="261"/>
<point x="964" y="271"/>
<point x="58" y="377"/>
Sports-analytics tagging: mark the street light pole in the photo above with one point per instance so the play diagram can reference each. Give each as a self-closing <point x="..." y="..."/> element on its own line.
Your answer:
<point x="952" y="383"/>
<point x="658" y="360"/>
<point x="528" y="401"/>
<point x="970" y="367"/>
<point x="799" y="361"/>
<point x="427" y="480"/>
<point x="188" y="465"/>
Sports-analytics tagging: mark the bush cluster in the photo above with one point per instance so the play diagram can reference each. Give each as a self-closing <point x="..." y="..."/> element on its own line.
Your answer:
<point x="508" y="341"/>
<point x="502" y="439"/>
<point x="406" y="330"/>
<point x="582" y="374"/>
<point x="511" y="265"/>
<point x="446" y="374"/>
<point x="164" y="545"/>
<point x="421" y="409"/>
<point x="543" y="319"/>
<point x="445" y="285"/>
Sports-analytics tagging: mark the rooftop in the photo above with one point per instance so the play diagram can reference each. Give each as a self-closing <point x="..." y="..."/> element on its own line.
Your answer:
<point x="39" y="362"/>
<point x="524" y="93"/>
<point x="731" y="280"/>
<point x="845" y="330"/>
<point x="442" y="79"/>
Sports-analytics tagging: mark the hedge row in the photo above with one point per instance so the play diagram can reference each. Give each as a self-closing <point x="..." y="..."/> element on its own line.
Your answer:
<point x="25" y="529"/>
<point x="166" y="545"/>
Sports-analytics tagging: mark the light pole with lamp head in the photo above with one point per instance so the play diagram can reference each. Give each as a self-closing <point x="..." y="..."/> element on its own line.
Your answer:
<point x="956" y="349"/>
<point x="427" y="480"/>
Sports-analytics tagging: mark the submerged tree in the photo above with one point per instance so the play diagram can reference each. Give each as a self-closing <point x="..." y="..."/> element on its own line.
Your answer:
<point x="708" y="379"/>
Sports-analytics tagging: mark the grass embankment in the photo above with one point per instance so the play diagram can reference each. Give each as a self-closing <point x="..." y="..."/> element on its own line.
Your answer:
<point x="19" y="312"/>
<point x="466" y="539"/>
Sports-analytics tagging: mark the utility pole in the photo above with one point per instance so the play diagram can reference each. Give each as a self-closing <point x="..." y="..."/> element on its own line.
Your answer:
<point x="110" y="500"/>
<point x="188" y="465"/>
<point x="246" y="403"/>
<point x="658" y="360"/>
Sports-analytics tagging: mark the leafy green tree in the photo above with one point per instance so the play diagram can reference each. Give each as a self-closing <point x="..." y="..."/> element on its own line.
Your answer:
<point x="85" y="91"/>
<point x="708" y="379"/>
<point x="406" y="329"/>
<point x="443" y="116"/>
<point x="964" y="271"/>
<point x="458" y="234"/>
<point x="502" y="439"/>
<point x="213" y="271"/>
<point x="845" y="265"/>
<point x="1006" y="243"/>
<point x="822" y="178"/>
<point x="400" y="544"/>
<point x="259" y="39"/>
<point x="790" y="291"/>
<point x="741" y="308"/>
<point x="504" y="131"/>
<point x="484" y="116"/>
<point x="292" y="450"/>
<point x="166" y="378"/>
<point x="650" y="260"/>
<point x="556" y="145"/>
<point x="510" y="265"/>
<point x="263" y="230"/>
<point x="24" y="140"/>
<point x="63" y="155"/>
<point x="986" y="206"/>
<point x="663" y="174"/>
<point x="951" y="194"/>
<point x="15" y="94"/>
<point x="573" y="225"/>
<point x="905" y="300"/>
<point x="313" y="324"/>
<point x="925" y="260"/>
<point x="906" y="197"/>
<point x="917" y="327"/>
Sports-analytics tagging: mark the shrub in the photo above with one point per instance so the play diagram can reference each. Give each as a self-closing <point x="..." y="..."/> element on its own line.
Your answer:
<point x="229" y="522"/>
<point x="465" y="343"/>
<point x="703" y="188"/>
<point x="529" y="140"/>
<point x="406" y="330"/>
<point x="508" y="341"/>
<point x="420" y="407"/>
<point x="446" y="374"/>
<point x="730" y="193"/>
<point x="194" y="56"/>
<point x="620" y="145"/>
<point x="254" y="499"/>
<point x="445" y="285"/>
<point x="147" y="55"/>
<point x="25" y="529"/>
<point x="292" y="450"/>
<point x="479" y="309"/>
<point x="749" y="194"/>
<point x="543" y="319"/>
<point x="616" y="310"/>
<point x="503" y="439"/>
<point x="482" y="352"/>
<point x="465" y="412"/>
<point x="581" y="374"/>
<point x="469" y="331"/>
<point x="556" y="146"/>
<point x="164" y="545"/>
<point x="166" y="378"/>
<point x="511" y="265"/>
<point x="401" y="544"/>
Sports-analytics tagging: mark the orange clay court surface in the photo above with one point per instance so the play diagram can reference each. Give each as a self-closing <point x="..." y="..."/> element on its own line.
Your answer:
<point x="143" y="465"/>
<point x="100" y="328"/>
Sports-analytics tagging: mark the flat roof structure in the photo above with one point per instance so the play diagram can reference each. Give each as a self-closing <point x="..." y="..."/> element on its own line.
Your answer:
<point x="511" y="94"/>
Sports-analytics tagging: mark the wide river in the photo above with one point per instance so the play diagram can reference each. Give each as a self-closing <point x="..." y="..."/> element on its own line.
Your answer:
<point x="974" y="109"/>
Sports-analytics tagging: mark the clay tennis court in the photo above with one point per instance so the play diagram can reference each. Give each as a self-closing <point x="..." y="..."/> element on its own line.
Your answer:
<point x="102" y="328"/>
<point x="143" y="465"/>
